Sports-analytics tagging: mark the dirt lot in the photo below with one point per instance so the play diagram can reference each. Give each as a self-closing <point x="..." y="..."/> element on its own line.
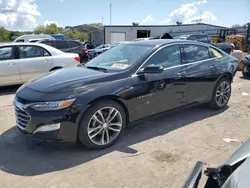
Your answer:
<point x="158" y="152"/>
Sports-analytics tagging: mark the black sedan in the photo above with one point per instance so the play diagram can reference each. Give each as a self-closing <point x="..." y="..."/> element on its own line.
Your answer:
<point x="93" y="103"/>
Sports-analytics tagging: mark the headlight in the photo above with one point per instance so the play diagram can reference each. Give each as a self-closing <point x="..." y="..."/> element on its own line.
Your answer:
<point x="54" y="105"/>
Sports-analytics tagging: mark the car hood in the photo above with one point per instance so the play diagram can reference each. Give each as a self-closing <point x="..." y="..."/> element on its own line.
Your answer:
<point x="240" y="154"/>
<point x="67" y="80"/>
<point x="240" y="177"/>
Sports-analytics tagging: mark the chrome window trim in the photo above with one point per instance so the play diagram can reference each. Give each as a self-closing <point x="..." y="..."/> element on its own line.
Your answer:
<point x="208" y="46"/>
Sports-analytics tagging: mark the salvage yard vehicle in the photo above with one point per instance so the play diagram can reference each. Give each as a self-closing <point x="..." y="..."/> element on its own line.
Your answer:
<point x="234" y="173"/>
<point x="246" y="66"/>
<point x="20" y="62"/>
<point x="93" y="103"/>
<point x="28" y="38"/>
<point x="68" y="46"/>
<point x="97" y="50"/>
<point x="195" y="37"/>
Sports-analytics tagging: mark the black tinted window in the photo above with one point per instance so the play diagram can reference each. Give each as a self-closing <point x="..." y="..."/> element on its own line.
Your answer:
<point x="166" y="57"/>
<point x="5" y="53"/>
<point x="61" y="44"/>
<point x="202" y="38"/>
<point x="49" y="43"/>
<point x="195" y="53"/>
<point x="74" y="44"/>
<point x="32" y="52"/>
<point x="192" y="37"/>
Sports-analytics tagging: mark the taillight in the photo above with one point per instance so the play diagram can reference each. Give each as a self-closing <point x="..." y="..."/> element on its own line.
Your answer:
<point x="85" y="50"/>
<point x="78" y="59"/>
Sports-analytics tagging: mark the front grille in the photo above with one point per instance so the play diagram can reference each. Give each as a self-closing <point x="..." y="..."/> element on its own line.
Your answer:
<point x="22" y="118"/>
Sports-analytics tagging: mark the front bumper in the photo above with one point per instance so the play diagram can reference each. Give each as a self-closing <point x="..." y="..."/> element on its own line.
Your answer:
<point x="38" y="124"/>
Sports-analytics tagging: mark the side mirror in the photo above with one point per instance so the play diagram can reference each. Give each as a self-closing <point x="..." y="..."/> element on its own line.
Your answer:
<point x="151" y="70"/>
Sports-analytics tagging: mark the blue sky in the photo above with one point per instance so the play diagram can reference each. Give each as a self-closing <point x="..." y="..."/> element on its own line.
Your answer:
<point x="27" y="14"/>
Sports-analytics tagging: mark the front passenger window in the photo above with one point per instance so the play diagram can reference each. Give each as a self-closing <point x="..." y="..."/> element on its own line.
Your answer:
<point x="167" y="57"/>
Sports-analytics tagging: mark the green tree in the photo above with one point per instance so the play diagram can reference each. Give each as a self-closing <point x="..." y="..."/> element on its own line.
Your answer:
<point x="40" y="30"/>
<point x="96" y="24"/>
<point x="77" y="35"/>
<point x="4" y="35"/>
<point x="51" y="29"/>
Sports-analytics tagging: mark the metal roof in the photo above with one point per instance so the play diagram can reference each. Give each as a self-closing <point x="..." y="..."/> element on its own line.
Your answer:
<point x="164" y="25"/>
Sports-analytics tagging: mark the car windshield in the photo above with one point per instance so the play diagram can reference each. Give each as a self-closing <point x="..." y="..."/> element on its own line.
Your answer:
<point x="120" y="57"/>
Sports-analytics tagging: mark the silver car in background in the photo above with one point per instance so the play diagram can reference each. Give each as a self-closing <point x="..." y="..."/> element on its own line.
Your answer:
<point x="21" y="62"/>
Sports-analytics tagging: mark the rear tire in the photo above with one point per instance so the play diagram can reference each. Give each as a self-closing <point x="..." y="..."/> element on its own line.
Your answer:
<point x="245" y="73"/>
<point x="97" y="129"/>
<point x="221" y="94"/>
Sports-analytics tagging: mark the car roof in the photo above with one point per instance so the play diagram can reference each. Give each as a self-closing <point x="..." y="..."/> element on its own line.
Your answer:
<point x="193" y="34"/>
<point x="162" y="42"/>
<point x="22" y="43"/>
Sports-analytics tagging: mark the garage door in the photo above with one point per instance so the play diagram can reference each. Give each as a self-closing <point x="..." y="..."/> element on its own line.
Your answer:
<point x="117" y="37"/>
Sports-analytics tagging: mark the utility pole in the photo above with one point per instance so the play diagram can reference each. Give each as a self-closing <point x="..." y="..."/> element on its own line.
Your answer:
<point x="102" y="20"/>
<point x="110" y="6"/>
<point x="197" y="22"/>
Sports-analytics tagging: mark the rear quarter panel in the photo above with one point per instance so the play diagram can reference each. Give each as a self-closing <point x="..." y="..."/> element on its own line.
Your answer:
<point x="64" y="60"/>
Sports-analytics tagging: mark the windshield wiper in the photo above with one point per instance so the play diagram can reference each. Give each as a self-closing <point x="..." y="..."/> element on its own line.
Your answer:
<point x="97" y="68"/>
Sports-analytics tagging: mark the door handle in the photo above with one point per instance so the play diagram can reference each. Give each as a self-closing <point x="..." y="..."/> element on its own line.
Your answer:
<point x="12" y="64"/>
<point x="216" y="67"/>
<point x="213" y="67"/>
<point x="181" y="74"/>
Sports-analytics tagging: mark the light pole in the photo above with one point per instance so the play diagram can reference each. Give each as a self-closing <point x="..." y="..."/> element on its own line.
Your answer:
<point x="110" y="6"/>
<point x="197" y="22"/>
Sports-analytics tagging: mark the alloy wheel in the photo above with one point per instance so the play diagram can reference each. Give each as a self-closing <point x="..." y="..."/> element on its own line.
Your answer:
<point x="223" y="93"/>
<point x="104" y="126"/>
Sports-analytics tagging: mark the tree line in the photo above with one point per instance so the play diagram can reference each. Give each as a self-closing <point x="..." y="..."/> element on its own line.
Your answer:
<point x="7" y="36"/>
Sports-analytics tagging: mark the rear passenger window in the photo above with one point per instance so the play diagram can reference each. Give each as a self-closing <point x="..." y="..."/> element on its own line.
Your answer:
<point x="61" y="44"/>
<point x="49" y="43"/>
<point x="215" y="53"/>
<point x="5" y="53"/>
<point x="195" y="53"/>
<point x="73" y="44"/>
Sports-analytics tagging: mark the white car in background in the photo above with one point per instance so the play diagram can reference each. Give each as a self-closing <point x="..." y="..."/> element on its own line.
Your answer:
<point x="21" y="62"/>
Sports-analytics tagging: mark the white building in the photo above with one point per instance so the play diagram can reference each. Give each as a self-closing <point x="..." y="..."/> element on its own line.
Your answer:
<point x="117" y="33"/>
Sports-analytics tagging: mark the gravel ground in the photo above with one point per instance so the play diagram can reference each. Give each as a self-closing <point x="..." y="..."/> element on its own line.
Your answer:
<point x="157" y="152"/>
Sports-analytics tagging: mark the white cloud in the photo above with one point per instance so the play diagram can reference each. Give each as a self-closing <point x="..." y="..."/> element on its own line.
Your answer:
<point x="18" y="14"/>
<point x="188" y="12"/>
<point x="207" y="15"/>
<point x="201" y="2"/>
<point x="149" y="18"/>
<point x="49" y="22"/>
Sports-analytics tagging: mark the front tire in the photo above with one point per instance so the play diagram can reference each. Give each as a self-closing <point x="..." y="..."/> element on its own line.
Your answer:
<point x="221" y="94"/>
<point x="102" y="124"/>
<point x="245" y="73"/>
